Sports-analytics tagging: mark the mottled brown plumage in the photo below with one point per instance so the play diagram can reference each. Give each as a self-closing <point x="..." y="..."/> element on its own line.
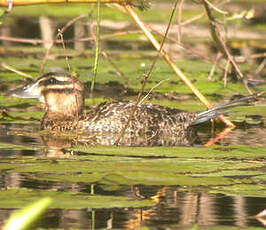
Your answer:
<point x="63" y="97"/>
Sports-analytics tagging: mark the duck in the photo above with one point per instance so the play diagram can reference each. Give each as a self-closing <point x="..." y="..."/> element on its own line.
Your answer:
<point x="63" y="97"/>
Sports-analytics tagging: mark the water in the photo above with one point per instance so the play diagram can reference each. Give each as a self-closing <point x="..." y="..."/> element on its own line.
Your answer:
<point x="133" y="187"/>
<point x="172" y="209"/>
<point x="110" y="187"/>
<point x="173" y="206"/>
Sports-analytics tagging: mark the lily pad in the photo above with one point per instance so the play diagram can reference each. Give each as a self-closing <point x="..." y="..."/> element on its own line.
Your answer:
<point x="243" y="190"/>
<point x="18" y="198"/>
<point x="128" y="170"/>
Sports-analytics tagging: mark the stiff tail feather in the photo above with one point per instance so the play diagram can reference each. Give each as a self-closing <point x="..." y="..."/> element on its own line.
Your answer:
<point x="215" y="111"/>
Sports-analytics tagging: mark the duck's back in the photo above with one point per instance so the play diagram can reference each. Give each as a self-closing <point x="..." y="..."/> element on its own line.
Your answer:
<point x="148" y="119"/>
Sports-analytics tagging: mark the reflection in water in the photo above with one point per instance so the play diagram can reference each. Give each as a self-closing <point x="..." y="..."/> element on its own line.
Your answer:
<point x="55" y="146"/>
<point x="28" y="134"/>
<point x="198" y="209"/>
<point x="239" y="207"/>
<point x="172" y="208"/>
<point x="253" y="136"/>
<point x="261" y="217"/>
<point x="17" y="134"/>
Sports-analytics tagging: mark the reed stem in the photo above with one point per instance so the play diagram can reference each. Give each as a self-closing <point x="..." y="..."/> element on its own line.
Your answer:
<point x="34" y="2"/>
<point x="170" y="62"/>
<point x="97" y="48"/>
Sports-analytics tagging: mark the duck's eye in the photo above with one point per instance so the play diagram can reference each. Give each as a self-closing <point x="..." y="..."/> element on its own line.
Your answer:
<point x="52" y="80"/>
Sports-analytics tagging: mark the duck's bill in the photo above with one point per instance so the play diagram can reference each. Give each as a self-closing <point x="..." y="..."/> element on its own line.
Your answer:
<point x="28" y="91"/>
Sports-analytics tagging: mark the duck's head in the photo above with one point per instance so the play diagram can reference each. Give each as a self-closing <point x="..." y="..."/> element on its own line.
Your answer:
<point x="62" y="94"/>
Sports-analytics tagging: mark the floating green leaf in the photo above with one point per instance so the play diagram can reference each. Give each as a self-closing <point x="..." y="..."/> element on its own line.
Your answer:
<point x="17" y="198"/>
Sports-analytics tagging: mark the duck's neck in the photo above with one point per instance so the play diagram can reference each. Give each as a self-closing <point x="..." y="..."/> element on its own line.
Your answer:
<point x="59" y="121"/>
<point x="65" y="105"/>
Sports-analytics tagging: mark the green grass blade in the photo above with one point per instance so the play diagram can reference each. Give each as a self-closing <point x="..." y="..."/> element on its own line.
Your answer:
<point x="23" y="218"/>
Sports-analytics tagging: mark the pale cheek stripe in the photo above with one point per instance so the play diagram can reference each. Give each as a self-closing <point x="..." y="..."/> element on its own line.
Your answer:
<point x="57" y="86"/>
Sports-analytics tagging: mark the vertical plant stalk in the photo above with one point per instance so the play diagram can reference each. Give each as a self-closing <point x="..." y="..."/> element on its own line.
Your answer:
<point x="97" y="49"/>
<point x="71" y="22"/>
<point x="93" y="219"/>
<point x="261" y="66"/>
<point x="146" y="76"/>
<point x="92" y="212"/>
<point x="179" y="18"/>
<point x="221" y="45"/>
<point x="227" y="66"/>
<point x="61" y="36"/>
<point x="46" y="30"/>
<point x="218" y="56"/>
<point x="216" y="36"/>
<point x="170" y="62"/>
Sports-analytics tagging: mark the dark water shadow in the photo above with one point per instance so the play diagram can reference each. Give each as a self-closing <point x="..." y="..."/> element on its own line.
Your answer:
<point x="172" y="207"/>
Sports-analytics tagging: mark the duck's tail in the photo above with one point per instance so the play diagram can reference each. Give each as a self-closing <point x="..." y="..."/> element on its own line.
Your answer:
<point x="216" y="111"/>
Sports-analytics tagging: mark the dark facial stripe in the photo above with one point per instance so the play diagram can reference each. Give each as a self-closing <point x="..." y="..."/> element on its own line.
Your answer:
<point x="65" y="91"/>
<point x="54" y="74"/>
<point x="53" y="81"/>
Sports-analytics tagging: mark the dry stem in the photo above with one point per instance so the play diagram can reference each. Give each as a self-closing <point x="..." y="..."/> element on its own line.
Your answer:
<point x="35" y="2"/>
<point x="227" y="66"/>
<point x="64" y="47"/>
<point x="5" y="66"/>
<point x="119" y="72"/>
<point x="179" y="18"/>
<point x="218" y="56"/>
<point x="147" y="75"/>
<point x="155" y="43"/>
<point x="59" y="39"/>
<point x="144" y="98"/>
